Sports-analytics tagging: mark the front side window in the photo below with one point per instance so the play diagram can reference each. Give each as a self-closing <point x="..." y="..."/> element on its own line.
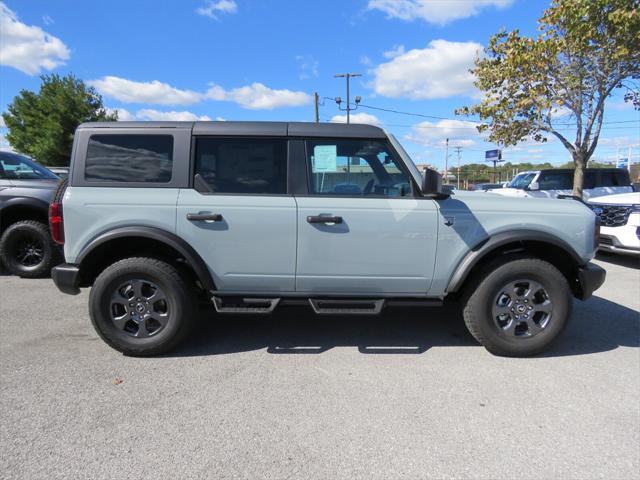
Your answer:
<point x="355" y="168"/>
<point x="129" y="158"/>
<point x="243" y="165"/>
<point x="522" y="180"/>
<point x="19" y="167"/>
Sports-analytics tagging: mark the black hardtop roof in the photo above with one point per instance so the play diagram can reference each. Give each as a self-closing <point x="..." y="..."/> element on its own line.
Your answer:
<point x="271" y="129"/>
<point x="571" y="170"/>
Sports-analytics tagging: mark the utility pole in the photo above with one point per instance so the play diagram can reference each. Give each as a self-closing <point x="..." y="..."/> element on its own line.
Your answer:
<point x="446" y="161"/>
<point x="348" y="76"/>
<point x="458" y="150"/>
<point x="317" y="112"/>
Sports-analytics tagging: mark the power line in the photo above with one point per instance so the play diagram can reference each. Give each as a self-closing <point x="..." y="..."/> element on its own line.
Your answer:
<point x="435" y="117"/>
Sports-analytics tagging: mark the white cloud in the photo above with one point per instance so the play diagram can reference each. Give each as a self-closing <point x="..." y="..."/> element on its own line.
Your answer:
<point x="441" y="70"/>
<point x="2" y="124"/>
<point x="259" y="97"/>
<point x="439" y="12"/>
<point x="308" y="66"/>
<point x="184" y="116"/>
<point x="395" y="51"/>
<point x="365" y="60"/>
<point x="459" y="132"/>
<point x="155" y="92"/>
<point x="28" y="48"/>
<point x="213" y="9"/>
<point x="357" y="118"/>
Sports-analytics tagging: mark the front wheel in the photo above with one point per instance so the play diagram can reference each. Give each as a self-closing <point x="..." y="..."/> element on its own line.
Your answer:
<point x="142" y="306"/>
<point x="519" y="308"/>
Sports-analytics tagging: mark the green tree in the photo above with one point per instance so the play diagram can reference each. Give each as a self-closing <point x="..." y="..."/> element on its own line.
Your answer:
<point x="42" y="124"/>
<point x="585" y="49"/>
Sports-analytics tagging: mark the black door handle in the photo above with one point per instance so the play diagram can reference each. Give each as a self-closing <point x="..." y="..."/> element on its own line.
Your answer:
<point x="323" y="219"/>
<point x="204" y="217"/>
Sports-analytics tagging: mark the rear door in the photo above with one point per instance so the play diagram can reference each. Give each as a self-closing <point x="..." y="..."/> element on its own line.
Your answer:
<point x="360" y="227"/>
<point x="238" y="214"/>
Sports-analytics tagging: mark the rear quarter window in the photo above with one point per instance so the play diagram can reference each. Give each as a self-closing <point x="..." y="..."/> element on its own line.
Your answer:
<point x="129" y="158"/>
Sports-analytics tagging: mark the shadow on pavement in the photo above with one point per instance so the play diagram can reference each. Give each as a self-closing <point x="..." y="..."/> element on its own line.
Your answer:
<point x="596" y="326"/>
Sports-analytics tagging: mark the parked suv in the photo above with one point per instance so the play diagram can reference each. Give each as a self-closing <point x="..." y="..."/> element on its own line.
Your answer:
<point x="559" y="181"/>
<point x="620" y="219"/>
<point x="26" y="189"/>
<point x="253" y="216"/>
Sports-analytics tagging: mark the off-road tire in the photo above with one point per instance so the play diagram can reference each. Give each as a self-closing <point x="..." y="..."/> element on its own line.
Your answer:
<point x="180" y="306"/>
<point x="33" y="233"/>
<point x="486" y="286"/>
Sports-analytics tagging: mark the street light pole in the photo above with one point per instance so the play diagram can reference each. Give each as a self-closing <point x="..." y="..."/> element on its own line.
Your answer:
<point x="348" y="76"/>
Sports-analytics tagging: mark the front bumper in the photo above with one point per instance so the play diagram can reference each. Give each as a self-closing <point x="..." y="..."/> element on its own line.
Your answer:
<point x="590" y="278"/>
<point x="67" y="278"/>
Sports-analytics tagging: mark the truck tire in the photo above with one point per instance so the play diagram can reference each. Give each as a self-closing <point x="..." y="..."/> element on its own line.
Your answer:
<point x="518" y="307"/>
<point x="26" y="249"/>
<point x="142" y="306"/>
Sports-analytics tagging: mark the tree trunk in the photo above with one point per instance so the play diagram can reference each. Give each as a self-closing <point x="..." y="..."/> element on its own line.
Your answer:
<point x="579" y="161"/>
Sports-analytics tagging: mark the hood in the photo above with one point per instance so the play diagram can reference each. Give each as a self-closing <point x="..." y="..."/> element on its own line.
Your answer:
<point x="618" y="199"/>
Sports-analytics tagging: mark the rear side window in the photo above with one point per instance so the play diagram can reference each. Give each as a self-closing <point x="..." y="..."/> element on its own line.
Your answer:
<point x="129" y="158"/>
<point x="614" y="179"/>
<point x="556" y="181"/>
<point x="243" y="165"/>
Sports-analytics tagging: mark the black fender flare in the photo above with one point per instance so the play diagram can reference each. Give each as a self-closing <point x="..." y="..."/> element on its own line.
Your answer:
<point x="158" y="234"/>
<point x="477" y="253"/>
<point x="31" y="202"/>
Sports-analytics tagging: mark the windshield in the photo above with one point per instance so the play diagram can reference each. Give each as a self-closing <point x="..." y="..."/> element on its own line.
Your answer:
<point x="19" y="167"/>
<point x="522" y="180"/>
<point x="415" y="173"/>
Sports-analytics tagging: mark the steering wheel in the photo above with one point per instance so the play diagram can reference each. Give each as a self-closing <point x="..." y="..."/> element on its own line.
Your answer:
<point x="368" y="187"/>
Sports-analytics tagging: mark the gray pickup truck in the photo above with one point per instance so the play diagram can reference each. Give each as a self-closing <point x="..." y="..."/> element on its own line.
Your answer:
<point x="253" y="216"/>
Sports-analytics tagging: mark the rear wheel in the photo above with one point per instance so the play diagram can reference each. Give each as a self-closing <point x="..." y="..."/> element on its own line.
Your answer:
<point x="142" y="306"/>
<point x="519" y="308"/>
<point x="26" y="249"/>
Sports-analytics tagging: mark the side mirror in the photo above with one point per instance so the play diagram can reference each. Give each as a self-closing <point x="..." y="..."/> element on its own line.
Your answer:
<point x="533" y="186"/>
<point x="432" y="184"/>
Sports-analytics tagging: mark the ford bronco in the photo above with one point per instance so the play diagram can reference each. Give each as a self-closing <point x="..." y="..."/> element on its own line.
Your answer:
<point x="252" y="216"/>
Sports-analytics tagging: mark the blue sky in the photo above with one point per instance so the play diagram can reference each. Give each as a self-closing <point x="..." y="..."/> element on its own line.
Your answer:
<point x="262" y="60"/>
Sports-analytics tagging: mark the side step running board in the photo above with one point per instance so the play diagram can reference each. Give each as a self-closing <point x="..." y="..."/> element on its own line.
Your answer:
<point x="346" y="307"/>
<point x="244" y="305"/>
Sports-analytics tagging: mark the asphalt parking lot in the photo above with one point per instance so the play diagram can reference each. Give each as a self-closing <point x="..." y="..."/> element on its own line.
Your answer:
<point x="405" y="395"/>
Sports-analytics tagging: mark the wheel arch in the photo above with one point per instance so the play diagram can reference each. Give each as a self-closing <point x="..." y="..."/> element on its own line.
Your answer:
<point x="23" y="208"/>
<point x="538" y="244"/>
<point x="123" y="242"/>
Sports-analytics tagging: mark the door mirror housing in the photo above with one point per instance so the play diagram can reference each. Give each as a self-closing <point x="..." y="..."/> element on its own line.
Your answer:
<point x="533" y="186"/>
<point x="432" y="184"/>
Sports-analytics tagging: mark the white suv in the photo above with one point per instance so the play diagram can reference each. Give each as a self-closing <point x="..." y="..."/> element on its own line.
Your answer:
<point x="620" y="220"/>
<point x="559" y="181"/>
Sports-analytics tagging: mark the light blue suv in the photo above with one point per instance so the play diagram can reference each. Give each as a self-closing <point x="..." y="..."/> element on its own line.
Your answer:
<point x="253" y="216"/>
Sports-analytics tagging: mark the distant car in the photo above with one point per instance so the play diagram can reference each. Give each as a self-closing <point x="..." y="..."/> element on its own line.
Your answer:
<point x="620" y="222"/>
<point x="485" y="186"/>
<point x="62" y="172"/>
<point x="26" y="189"/>
<point x="559" y="181"/>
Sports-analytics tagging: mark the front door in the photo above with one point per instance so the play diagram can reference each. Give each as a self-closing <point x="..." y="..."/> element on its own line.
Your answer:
<point x="238" y="216"/>
<point x="361" y="229"/>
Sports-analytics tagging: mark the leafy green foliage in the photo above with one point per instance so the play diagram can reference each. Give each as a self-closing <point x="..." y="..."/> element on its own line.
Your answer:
<point x="585" y="49"/>
<point x="42" y="124"/>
